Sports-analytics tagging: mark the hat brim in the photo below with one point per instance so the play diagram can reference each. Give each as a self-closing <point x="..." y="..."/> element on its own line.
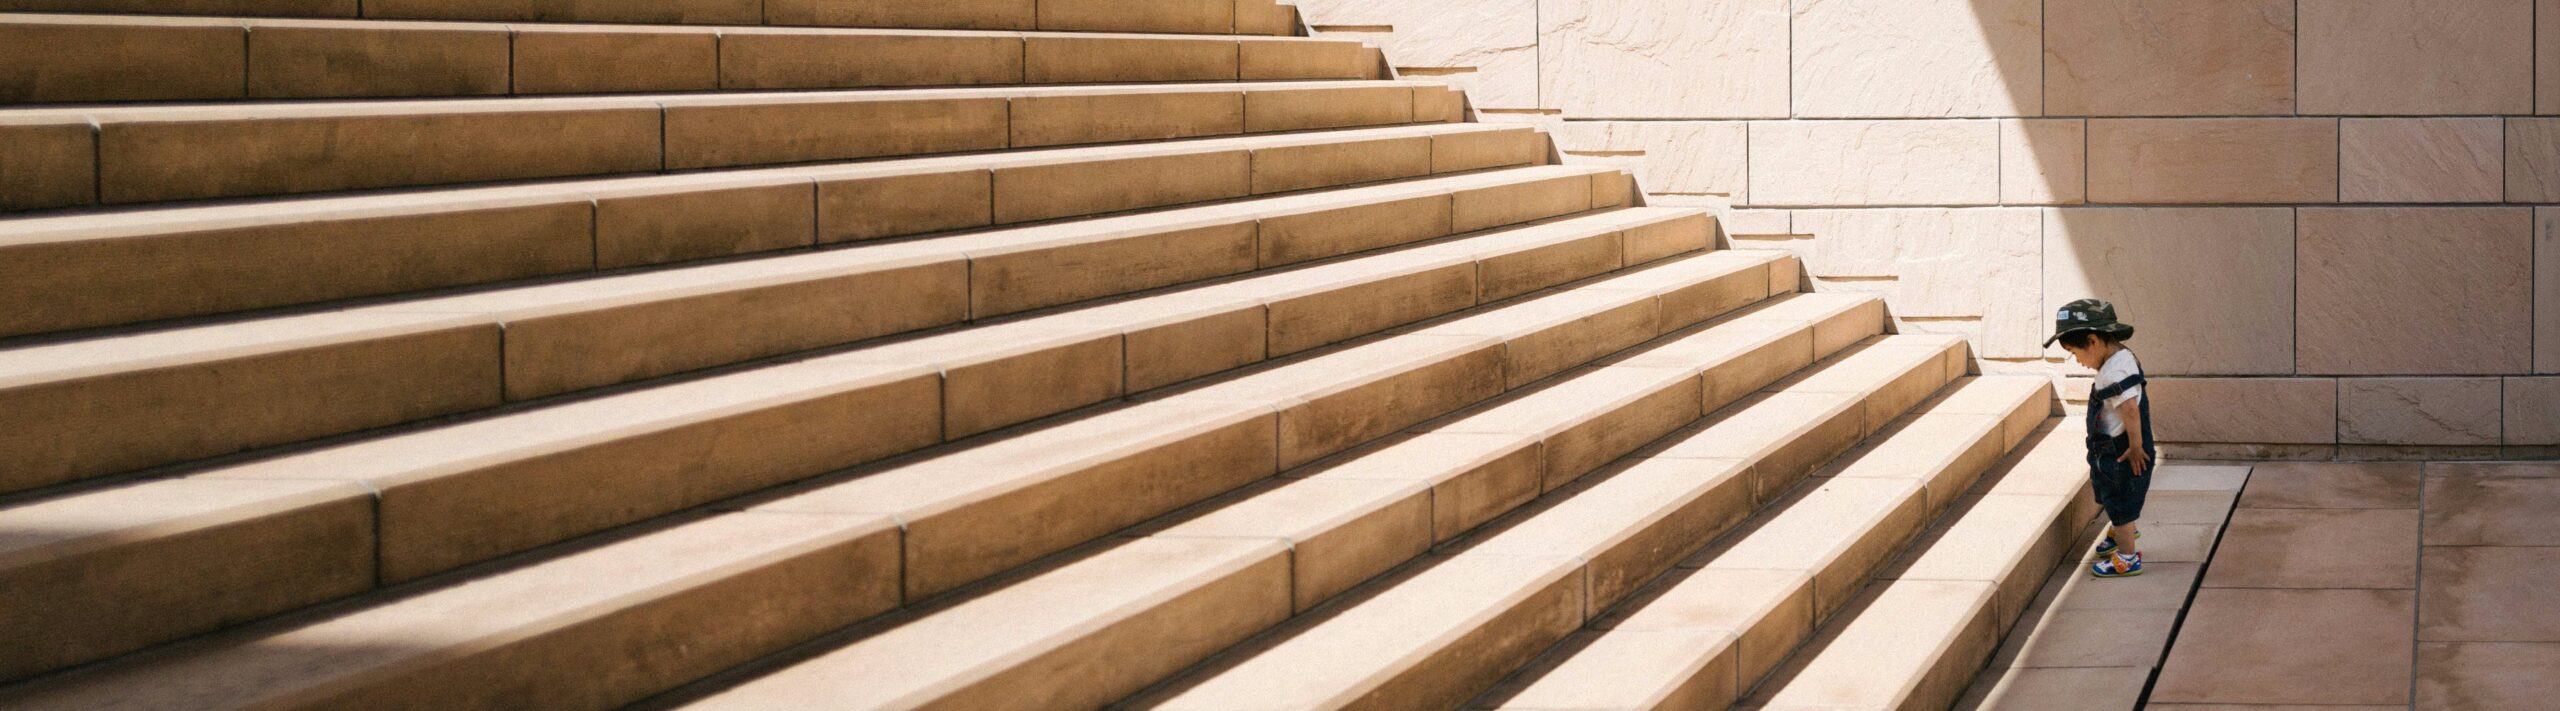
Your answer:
<point x="2116" y="327"/>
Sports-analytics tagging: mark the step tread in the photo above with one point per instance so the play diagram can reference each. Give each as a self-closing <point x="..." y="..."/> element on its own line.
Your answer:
<point x="1751" y="601"/>
<point x="1373" y="640"/>
<point x="145" y="20"/>
<point x="917" y="491"/>
<point x="984" y="638"/>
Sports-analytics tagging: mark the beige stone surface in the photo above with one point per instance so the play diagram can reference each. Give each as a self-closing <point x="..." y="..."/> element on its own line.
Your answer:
<point x="2546" y="292"/>
<point x="1473" y="150"/>
<point x="2421" y="160"/>
<point x="2246" y="410"/>
<point x="2273" y="160"/>
<point x="561" y="60"/>
<point x="2044" y="162"/>
<point x="179" y="563"/>
<point x="1916" y="58"/>
<point x="721" y="132"/>
<point x="1059" y="120"/>
<point x="1676" y="157"/>
<point x="2533" y="412"/>
<point x="2533" y="159"/>
<point x="2318" y="548"/>
<point x="2160" y="265"/>
<point x="1489" y="47"/>
<point x="2420" y="411"/>
<point x="1888" y="654"/>
<point x="1054" y="59"/>
<point x="2401" y="57"/>
<point x="2489" y="504"/>
<point x="1944" y="263"/>
<point x="298" y="60"/>
<point x="638" y="227"/>
<point x="2168" y="57"/>
<point x="320" y="150"/>
<point x="1261" y="61"/>
<point x="1600" y="59"/>
<point x="951" y="14"/>
<point x="1805" y="163"/>
<point x="853" y="209"/>
<point x="817" y="59"/>
<point x="68" y="60"/>
<point x="2066" y="639"/>
<point x="714" y="12"/>
<point x="2460" y="675"/>
<point x="1319" y="165"/>
<point x="1029" y="193"/>
<point x="1346" y="107"/>
<point x="2325" y="485"/>
<point x="2486" y="594"/>
<point x="51" y="164"/>
<point x="60" y="414"/>
<point x="2394" y="291"/>
<point x="1172" y="16"/>
<point x="2026" y="688"/>
<point x="1513" y="203"/>
<point x="213" y="260"/>
<point x="2292" y="647"/>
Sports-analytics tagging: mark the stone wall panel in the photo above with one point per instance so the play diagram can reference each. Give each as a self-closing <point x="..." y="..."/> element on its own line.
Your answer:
<point x="1968" y="263"/>
<point x="1916" y="58"/>
<point x="2246" y="410"/>
<point x="2168" y="57"/>
<point x="1834" y="163"/>
<point x="2546" y="290"/>
<point x="1673" y="157"/>
<point x="2533" y="412"/>
<point x="1662" y="59"/>
<point x="2210" y="290"/>
<point x="2533" y="160"/>
<point x="2414" y="291"/>
<point x="2044" y="162"/>
<point x="2417" y="57"/>
<point x="2421" y="411"/>
<point x="2285" y="160"/>
<point x="2421" y="160"/>
<point x="1494" y="42"/>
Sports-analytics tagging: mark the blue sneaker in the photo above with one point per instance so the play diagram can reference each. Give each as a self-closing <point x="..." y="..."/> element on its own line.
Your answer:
<point x="2118" y="566"/>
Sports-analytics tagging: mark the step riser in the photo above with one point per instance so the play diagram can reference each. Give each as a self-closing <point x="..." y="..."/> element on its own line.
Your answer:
<point x="239" y="403"/>
<point x="64" y="59"/>
<point x="1256" y="17"/>
<point x="537" y="498"/>
<point x="135" y="276"/>
<point x="1394" y="530"/>
<point x="139" y="158"/>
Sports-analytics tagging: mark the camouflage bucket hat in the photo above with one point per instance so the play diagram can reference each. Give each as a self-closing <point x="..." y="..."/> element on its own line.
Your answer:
<point x="2089" y="315"/>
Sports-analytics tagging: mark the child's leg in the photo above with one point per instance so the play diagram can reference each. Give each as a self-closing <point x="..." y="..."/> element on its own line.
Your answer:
<point x="2128" y="537"/>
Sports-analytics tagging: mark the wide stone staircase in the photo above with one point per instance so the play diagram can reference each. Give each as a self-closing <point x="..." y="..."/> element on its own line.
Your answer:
<point x="783" y="354"/>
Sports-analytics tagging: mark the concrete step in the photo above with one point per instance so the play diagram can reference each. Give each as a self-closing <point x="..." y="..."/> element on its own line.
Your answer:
<point x="1699" y="639"/>
<point x="90" y="58"/>
<point x="1440" y="633"/>
<point x="1937" y="614"/>
<point x="1258" y="17"/>
<point x="146" y="154"/>
<point x="229" y="387"/>
<point x="336" y="521"/>
<point x="1098" y="629"/>
<point x="958" y="516"/>
<point x="116" y="268"/>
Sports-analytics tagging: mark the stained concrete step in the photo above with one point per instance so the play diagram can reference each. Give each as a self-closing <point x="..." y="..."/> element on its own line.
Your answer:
<point x="957" y="516"/>
<point x="91" y="58"/>
<point x="1258" y="17"/>
<point x="116" y="268"/>
<point x="336" y="521"/>
<point x="1443" y="631"/>
<point x="1937" y="614"/>
<point x="1700" y="639"/>
<point x="223" y="388"/>
<point x="132" y="155"/>
<point x="1105" y="626"/>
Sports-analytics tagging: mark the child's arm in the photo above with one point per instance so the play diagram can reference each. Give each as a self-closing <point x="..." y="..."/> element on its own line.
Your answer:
<point x="2131" y="411"/>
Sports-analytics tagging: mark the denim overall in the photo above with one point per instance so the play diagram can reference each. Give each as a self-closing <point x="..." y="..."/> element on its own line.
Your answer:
<point x="2118" y="490"/>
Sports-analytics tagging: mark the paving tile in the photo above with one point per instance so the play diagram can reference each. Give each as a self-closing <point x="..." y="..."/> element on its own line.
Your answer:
<point x="2487" y="675"/>
<point x="2197" y="507"/>
<point x="2318" y="548"/>
<point x="2292" y="646"/>
<point x="2363" y="485"/>
<point x="2269" y="707"/>
<point x="2161" y="586"/>
<point x="2028" y="689"/>
<point x="2488" y="595"/>
<point x="2491" y="504"/>
<point x="2199" y="477"/>
<point x="2098" y="638"/>
<point x="2178" y="542"/>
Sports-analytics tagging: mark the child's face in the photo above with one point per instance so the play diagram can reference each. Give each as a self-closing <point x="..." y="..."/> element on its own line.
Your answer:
<point x="2086" y="357"/>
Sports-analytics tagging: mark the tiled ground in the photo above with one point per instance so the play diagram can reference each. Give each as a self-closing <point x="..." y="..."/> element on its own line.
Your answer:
<point x="2336" y="586"/>
<point x="2398" y="585"/>
<point x="2093" y="644"/>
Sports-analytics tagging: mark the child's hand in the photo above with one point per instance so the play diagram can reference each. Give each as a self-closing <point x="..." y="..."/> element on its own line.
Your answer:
<point x="2138" y="459"/>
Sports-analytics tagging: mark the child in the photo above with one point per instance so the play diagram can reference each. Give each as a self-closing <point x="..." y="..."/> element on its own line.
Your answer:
<point x="2119" y="415"/>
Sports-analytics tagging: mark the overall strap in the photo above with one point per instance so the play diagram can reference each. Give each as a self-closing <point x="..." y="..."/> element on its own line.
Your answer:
<point x="2129" y="383"/>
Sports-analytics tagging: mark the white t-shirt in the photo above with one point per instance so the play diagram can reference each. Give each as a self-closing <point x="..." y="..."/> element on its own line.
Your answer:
<point x="2115" y="370"/>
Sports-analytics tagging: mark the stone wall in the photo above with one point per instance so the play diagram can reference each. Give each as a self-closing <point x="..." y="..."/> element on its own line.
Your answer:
<point x="2321" y="213"/>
